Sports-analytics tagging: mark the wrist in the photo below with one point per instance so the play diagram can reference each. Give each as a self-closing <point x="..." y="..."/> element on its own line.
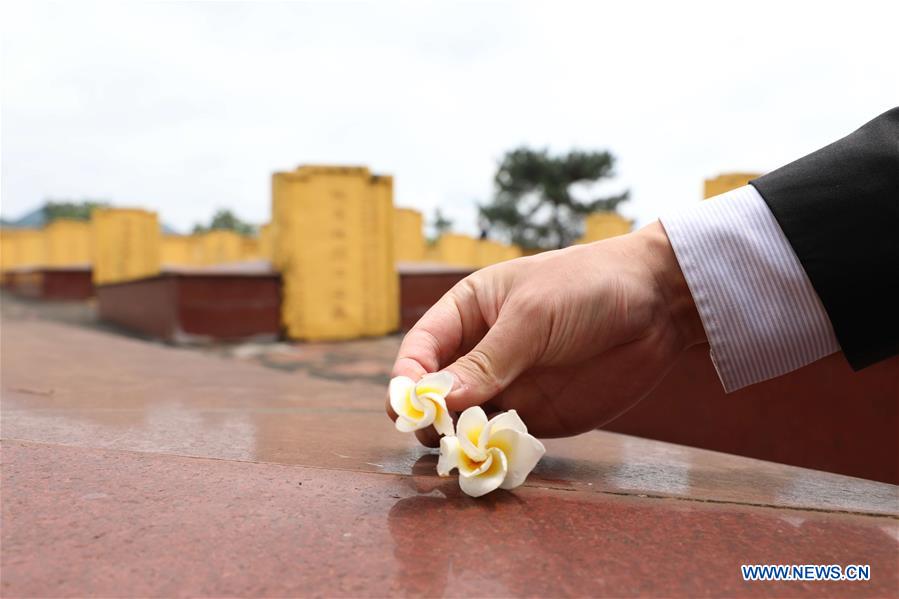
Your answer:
<point x="677" y="300"/>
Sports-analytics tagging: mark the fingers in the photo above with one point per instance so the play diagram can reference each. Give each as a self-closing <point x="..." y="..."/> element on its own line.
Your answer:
<point x="449" y="328"/>
<point x="428" y="437"/>
<point x="455" y="321"/>
<point x="507" y="349"/>
<point x="389" y="409"/>
<point x="536" y="407"/>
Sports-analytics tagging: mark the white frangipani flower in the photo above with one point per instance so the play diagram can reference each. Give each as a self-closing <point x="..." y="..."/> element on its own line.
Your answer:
<point x="489" y="454"/>
<point x="419" y="405"/>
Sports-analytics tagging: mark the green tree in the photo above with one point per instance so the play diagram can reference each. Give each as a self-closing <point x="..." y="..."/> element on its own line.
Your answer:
<point x="54" y="209"/>
<point x="227" y="220"/>
<point x="533" y="204"/>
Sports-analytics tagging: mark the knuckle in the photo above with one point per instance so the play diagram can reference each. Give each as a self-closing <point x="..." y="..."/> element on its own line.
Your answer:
<point x="466" y="289"/>
<point x="480" y="365"/>
<point x="428" y="437"/>
<point x="460" y="296"/>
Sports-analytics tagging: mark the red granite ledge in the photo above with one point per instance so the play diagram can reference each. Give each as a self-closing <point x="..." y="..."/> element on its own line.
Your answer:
<point x="85" y="522"/>
<point x="147" y="397"/>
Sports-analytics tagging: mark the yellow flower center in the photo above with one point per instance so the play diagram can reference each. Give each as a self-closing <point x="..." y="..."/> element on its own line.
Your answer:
<point x="474" y="434"/>
<point x="469" y="463"/>
<point x="411" y="410"/>
<point x="424" y="390"/>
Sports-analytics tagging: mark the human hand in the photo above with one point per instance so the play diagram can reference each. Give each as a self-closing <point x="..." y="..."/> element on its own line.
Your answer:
<point x="570" y="338"/>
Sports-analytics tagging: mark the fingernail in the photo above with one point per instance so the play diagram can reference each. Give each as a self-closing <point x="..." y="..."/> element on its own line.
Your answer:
<point x="455" y="380"/>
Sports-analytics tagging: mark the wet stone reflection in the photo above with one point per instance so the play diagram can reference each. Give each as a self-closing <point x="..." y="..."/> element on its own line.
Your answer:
<point x="440" y="534"/>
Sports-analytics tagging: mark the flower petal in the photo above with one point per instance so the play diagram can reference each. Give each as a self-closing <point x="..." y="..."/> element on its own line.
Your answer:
<point x="449" y="455"/>
<point x="487" y="480"/>
<point x="522" y="452"/>
<point x="413" y="420"/>
<point x="469" y="427"/>
<point x="440" y="383"/>
<point x="508" y="420"/>
<point x="443" y="422"/>
<point x="399" y="393"/>
<point x="469" y="467"/>
<point x="404" y="425"/>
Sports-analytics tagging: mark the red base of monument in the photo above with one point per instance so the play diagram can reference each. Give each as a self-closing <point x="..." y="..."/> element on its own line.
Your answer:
<point x="823" y="416"/>
<point x="55" y="284"/>
<point x="189" y="307"/>
<point x="239" y="302"/>
<point x="421" y="286"/>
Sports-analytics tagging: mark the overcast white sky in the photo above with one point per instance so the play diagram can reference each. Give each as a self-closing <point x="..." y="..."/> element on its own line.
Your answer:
<point x="185" y="107"/>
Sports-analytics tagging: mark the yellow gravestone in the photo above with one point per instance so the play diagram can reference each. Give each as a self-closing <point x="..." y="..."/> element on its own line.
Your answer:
<point x="382" y="281"/>
<point x="178" y="250"/>
<point x="220" y="246"/>
<point x="408" y="236"/>
<point x="602" y="225"/>
<point x="67" y="243"/>
<point x="493" y="252"/>
<point x="726" y="182"/>
<point x="266" y="242"/>
<point x="126" y="244"/>
<point x="457" y="250"/>
<point x="250" y="248"/>
<point x="21" y="248"/>
<point x="333" y="242"/>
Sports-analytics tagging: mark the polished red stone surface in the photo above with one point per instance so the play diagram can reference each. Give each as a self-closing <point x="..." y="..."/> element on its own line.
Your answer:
<point x="104" y="523"/>
<point x="73" y="386"/>
<point x="133" y="469"/>
<point x="823" y="416"/>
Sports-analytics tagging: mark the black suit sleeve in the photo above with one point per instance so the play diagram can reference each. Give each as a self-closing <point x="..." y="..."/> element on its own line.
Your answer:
<point x="839" y="208"/>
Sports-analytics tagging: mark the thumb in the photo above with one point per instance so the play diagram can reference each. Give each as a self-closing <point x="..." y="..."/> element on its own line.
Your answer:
<point x="503" y="353"/>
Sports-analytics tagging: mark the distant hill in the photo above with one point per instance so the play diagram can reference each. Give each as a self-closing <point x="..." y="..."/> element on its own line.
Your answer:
<point x="37" y="218"/>
<point x="33" y="220"/>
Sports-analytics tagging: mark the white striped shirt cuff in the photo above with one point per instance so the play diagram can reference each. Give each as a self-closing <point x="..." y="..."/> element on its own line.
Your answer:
<point x="760" y="312"/>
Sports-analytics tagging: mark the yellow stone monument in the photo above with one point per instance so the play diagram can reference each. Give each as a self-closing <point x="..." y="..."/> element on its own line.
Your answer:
<point x="250" y="248"/>
<point x="332" y="230"/>
<point x="127" y="244"/>
<point x="408" y="237"/>
<point x="493" y="252"/>
<point x="178" y="250"/>
<point x="266" y="242"/>
<point x="726" y="182"/>
<point x="67" y="242"/>
<point x="21" y="248"/>
<point x="456" y="249"/>
<point x="602" y="225"/>
<point x="220" y="246"/>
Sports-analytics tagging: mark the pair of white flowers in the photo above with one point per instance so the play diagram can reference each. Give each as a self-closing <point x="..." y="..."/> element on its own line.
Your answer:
<point x="489" y="454"/>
